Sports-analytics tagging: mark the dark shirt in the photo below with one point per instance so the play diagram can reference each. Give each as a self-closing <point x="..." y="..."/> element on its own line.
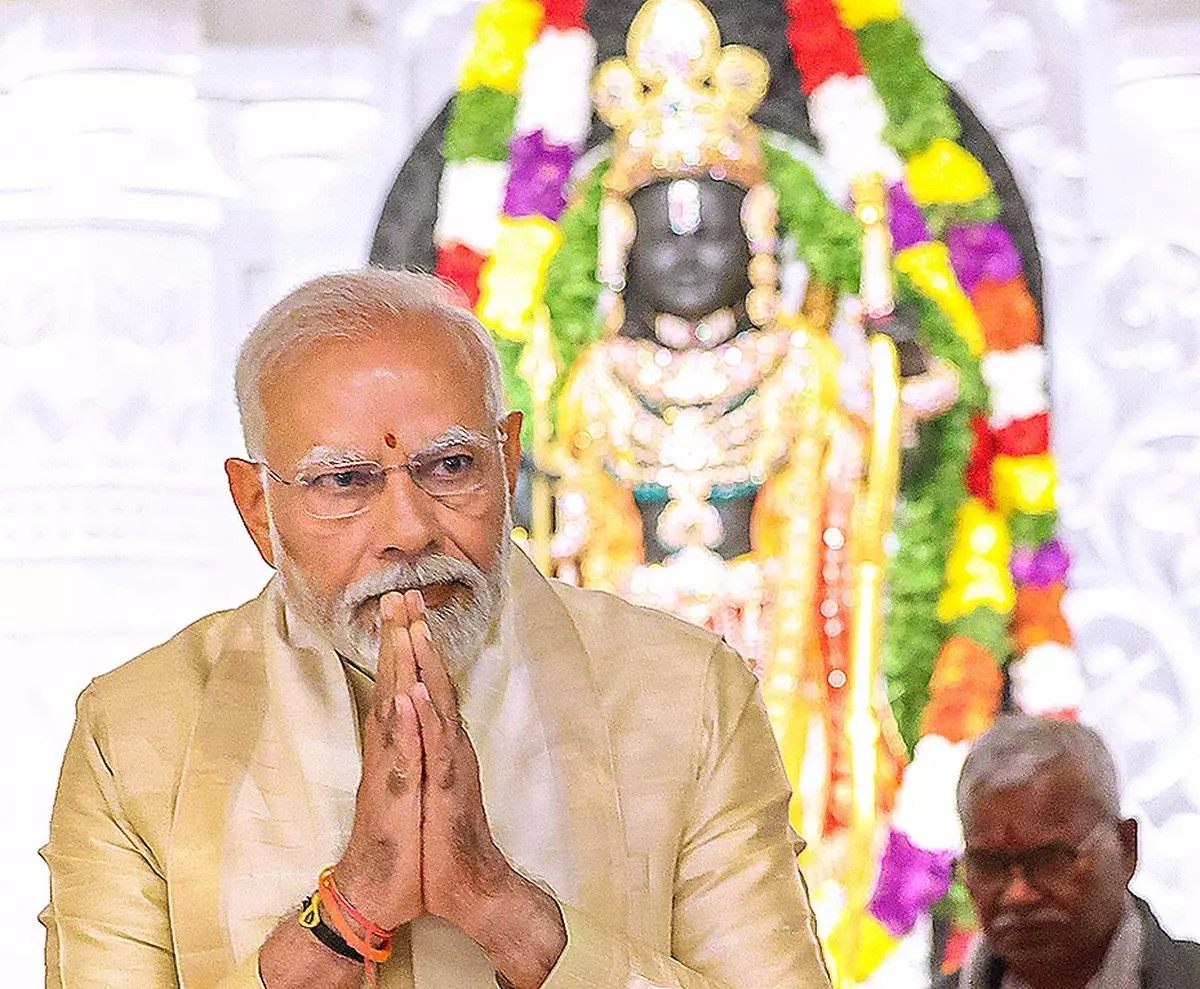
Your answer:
<point x="1166" y="962"/>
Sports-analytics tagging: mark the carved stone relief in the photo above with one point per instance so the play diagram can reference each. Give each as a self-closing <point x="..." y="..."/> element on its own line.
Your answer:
<point x="1123" y="325"/>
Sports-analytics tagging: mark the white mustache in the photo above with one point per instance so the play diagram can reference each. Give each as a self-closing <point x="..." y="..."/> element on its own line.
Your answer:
<point x="1006" y="922"/>
<point x="402" y="576"/>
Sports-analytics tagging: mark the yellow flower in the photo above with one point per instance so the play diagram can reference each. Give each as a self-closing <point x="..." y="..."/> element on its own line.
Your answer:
<point x="989" y="588"/>
<point x="500" y="38"/>
<point x="1025" y="484"/>
<point x="980" y="533"/>
<point x="977" y="569"/>
<point x="511" y="282"/>
<point x="859" y="13"/>
<point x="928" y="265"/>
<point x="874" y="946"/>
<point x="945" y="173"/>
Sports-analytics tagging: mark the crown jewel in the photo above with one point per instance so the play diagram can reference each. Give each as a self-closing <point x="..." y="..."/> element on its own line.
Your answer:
<point x="680" y="104"/>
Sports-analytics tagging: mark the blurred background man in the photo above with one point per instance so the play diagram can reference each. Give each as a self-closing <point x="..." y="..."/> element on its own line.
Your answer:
<point x="1048" y="861"/>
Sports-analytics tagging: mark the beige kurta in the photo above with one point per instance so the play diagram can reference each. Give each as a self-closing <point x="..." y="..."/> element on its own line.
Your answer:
<point x="673" y="799"/>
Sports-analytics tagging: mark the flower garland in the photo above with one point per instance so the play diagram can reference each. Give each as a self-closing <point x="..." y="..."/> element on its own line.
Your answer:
<point x="988" y="510"/>
<point x="977" y="573"/>
<point x="519" y="121"/>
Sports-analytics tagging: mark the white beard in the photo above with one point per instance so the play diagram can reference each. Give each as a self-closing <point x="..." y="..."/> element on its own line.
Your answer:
<point x="351" y="623"/>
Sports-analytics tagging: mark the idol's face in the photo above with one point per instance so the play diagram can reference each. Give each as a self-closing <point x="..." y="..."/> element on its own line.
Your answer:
<point x="689" y="255"/>
<point x="1048" y="874"/>
<point x="381" y="399"/>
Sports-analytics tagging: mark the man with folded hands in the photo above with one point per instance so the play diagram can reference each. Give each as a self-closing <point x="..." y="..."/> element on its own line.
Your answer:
<point x="412" y="758"/>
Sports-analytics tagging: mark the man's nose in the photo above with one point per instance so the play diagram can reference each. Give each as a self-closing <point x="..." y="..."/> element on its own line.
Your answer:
<point x="1017" y="888"/>
<point x="404" y="516"/>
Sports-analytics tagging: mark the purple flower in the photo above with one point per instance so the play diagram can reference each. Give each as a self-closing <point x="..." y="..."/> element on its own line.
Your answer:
<point x="911" y="880"/>
<point x="982" y="250"/>
<point x="538" y="177"/>
<point x="905" y="218"/>
<point x="1043" y="567"/>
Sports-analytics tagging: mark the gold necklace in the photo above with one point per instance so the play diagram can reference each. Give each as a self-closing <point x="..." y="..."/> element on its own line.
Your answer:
<point x="662" y="377"/>
<point x="644" y="438"/>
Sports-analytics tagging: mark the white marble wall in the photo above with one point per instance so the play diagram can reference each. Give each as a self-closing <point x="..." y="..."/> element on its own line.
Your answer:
<point x="167" y="169"/>
<point x="1096" y="105"/>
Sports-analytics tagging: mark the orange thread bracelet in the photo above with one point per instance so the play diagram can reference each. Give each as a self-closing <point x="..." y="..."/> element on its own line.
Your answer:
<point x="348" y="908"/>
<point x="372" y="954"/>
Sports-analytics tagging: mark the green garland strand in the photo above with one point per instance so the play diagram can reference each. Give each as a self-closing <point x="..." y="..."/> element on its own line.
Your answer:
<point x="572" y="290"/>
<point x="571" y="297"/>
<point x="915" y="99"/>
<point x="828" y="240"/>
<point x="480" y="125"/>
<point x="944" y="341"/>
<point x="925" y="525"/>
<point x="1032" y="530"/>
<point x="941" y="216"/>
<point x="924" y="528"/>
<point x="516" y="389"/>
<point x="956" y="906"/>
<point x="987" y="627"/>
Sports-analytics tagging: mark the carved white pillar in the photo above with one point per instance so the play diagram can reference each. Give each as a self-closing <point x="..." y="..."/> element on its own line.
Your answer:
<point x="109" y="200"/>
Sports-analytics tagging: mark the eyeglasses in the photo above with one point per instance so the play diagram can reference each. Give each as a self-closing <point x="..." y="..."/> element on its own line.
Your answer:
<point x="456" y="464"/>
<point x="1046" y="866"/>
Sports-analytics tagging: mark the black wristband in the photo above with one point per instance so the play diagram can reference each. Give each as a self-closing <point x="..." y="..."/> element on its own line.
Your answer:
<point x="329" y="937"/>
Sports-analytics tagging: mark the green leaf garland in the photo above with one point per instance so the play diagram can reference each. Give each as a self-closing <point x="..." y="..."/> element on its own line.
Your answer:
<point x="925" y="524"/>
<point x="480" y="125"/>
<point x="915" y="99"/>
<point x="829" y="240"/>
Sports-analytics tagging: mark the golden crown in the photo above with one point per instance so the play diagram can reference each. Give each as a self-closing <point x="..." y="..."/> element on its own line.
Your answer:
<point x="680" y="104"/>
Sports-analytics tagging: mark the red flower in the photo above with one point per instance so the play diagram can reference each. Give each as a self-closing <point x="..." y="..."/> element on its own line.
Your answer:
<point x="564" y="14"/>
<point x="822" y="46"/>
<point x="460" y="266"/>
<point x="956" y="950"/>
<point x="979" y="466"/>
<point x="1025" y="437"/>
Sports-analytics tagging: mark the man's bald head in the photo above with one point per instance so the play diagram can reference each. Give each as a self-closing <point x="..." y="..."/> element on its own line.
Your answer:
<point x="372" y="301"/>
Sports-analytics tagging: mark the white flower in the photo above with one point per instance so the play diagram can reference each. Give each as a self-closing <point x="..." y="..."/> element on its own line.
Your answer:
<point x="1017" y="381"/>
<point x="1047" y="679"/>
<point x="848" y="118"/>
<point x="925" y="810"/>
<point x="556" y="87"/>
<point x="470" y="199"/>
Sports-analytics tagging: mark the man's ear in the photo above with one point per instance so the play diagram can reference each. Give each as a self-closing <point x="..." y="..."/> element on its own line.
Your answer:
<point x="1127" y="832"/>
<point x="246" y="486"/>
<point x="512" y="449"/>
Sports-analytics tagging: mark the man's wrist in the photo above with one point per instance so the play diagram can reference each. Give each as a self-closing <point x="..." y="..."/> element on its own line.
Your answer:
<point x="521" y="929"/>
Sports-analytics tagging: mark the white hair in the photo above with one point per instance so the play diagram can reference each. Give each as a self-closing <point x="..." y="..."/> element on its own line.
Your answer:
<point x="1017" y="748"/>
<point x="351" y="304"/>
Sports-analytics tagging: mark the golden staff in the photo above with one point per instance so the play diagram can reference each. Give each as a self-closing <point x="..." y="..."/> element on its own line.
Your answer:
<point x="862" y="727"/>
<point x="873" y="522"/>
<point x="538" y="367"/>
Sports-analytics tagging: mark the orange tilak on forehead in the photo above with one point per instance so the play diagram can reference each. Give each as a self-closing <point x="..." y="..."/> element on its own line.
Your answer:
<point x="389" y="440"/>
